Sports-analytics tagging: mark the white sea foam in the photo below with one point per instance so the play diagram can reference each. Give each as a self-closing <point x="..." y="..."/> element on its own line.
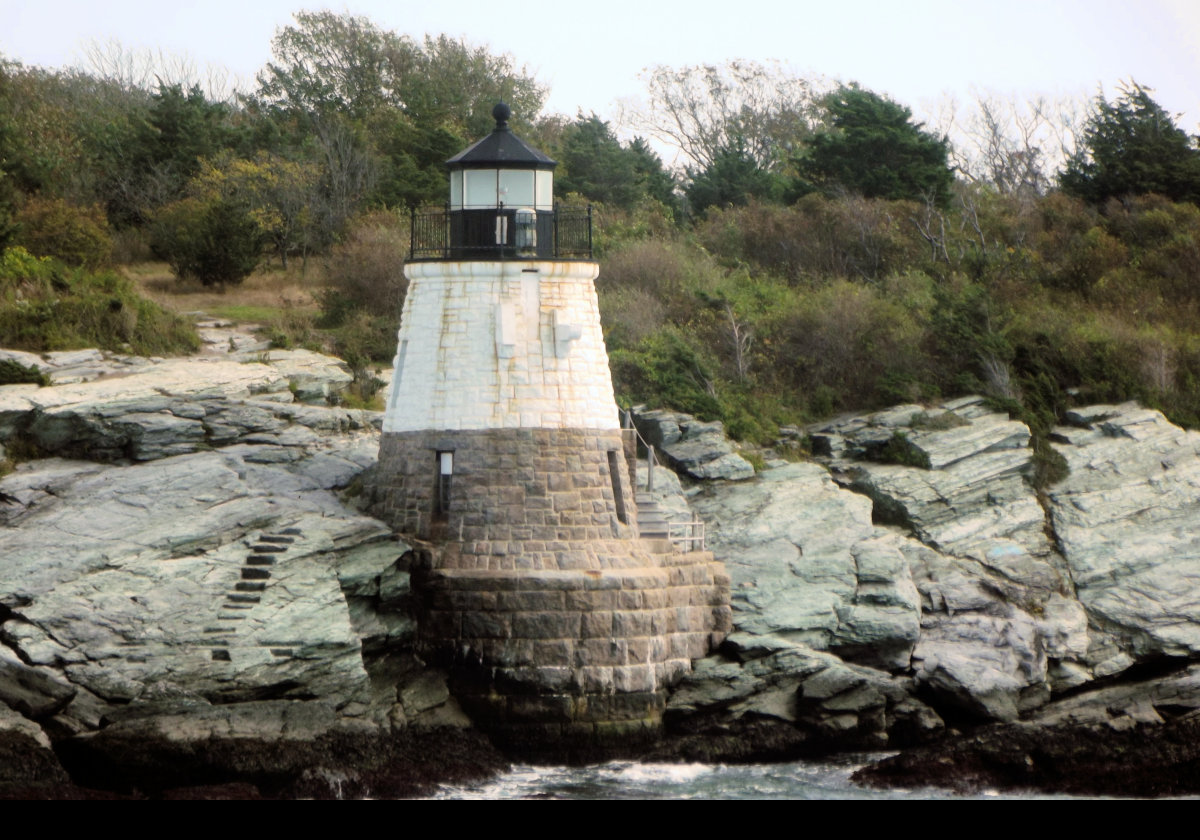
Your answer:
<point x="662" y="773"/>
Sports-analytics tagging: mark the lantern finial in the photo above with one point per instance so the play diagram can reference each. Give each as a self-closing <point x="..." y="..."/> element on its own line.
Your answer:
<point x="501" y="113"/>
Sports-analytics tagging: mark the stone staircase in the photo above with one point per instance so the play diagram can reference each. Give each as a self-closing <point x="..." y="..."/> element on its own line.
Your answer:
<point x="652" y="522"/>
<point x="248" y="592"/>
<point x="666" y="537"/>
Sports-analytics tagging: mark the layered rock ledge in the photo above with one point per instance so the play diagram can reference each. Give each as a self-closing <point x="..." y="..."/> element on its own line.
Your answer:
<point x="911" y="584"/>
<point x="190" y="591"/>
<point x="195" y="573"/>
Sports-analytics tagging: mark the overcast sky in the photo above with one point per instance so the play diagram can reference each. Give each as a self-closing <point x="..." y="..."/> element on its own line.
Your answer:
<point x="590" y="54"/>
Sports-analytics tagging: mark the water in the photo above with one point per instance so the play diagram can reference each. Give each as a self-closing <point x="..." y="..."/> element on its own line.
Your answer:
<point x="828" y="779"/>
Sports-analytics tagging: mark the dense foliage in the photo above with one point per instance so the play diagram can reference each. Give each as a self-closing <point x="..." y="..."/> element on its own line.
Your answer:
<point x="1132" y="146"/>
<point x="873" y="148"/>
<point x="47" y="305"/>
<point x="769" y="312"/>
<point x="811" y="250"/>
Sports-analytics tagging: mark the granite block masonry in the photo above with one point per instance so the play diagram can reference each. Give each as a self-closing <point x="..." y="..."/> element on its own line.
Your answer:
<point x="503" y="460"/>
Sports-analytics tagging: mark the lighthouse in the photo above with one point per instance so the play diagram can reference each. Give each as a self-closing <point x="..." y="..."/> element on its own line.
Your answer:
<point x="504" y="462"/>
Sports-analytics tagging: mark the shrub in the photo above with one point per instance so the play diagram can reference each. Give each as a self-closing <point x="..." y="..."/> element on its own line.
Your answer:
<point x="365" y="271"/>
<point x="131" y="245"/>
<point x="630" y="315"/>
<point x="364" y="338"/>
<point x="899" y="450"/>
<point x="672" y="271"/>
<point x="855" y="340"/>
<point x="45" y="305"/>
<point x="76" y="235"/>
<point x="13" y="372"/>
<point x="667" y="370"/>
<point x="216" y="242"/>
<point x="816" y="238"/>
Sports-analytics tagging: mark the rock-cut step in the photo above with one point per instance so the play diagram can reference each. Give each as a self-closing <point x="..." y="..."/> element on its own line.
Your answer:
<point x="249" y="590"/>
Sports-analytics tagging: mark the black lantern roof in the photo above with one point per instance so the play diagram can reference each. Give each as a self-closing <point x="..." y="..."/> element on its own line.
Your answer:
<point x="501" y="149"/>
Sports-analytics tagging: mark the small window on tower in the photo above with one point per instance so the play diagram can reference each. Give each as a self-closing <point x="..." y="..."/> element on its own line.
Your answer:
<point x="614" y="474"/>
<point x="445" y="471"/>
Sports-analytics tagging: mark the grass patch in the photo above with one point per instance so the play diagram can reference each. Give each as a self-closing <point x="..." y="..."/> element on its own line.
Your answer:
<point x="13" y="372"/>
<point x="246" y="313"/>
<point x="263" y="295"/>
<point x="755" y="459"/>
<point x="900" y="450"/>
<point x="937" y="422"/>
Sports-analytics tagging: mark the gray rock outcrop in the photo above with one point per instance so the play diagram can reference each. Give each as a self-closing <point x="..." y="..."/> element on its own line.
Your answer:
<point x="185" y="559"/>
<point x="808" y="566"/>
<point x="697" y="449"/>
<point x="919" y="550"/>
<point x="198" y="551"/>
<point x="1127" y="519"/>
<point x="170" y="408"/>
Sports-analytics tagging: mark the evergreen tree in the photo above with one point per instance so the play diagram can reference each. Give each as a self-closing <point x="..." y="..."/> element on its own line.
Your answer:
<point x="732" y="179"/>
<point x="1130" y="147"/>
<point x="873" y="148"/>
<point x="596" y="166"/>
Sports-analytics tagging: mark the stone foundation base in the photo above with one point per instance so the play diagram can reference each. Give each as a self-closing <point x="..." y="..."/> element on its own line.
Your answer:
<point x="579" y="651"/>
<point x="536" y="591"/>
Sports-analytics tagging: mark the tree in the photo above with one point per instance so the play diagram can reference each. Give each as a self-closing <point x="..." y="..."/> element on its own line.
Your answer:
<point x="381" y="111"/>
<point x="329" y="62"/>
<point x="597" y="166"/>
<point x="455" y="85"/>
<point x="655" y="179"/>
<point x="704" y="110"/>
<point x="216" y="242"/>
<point x="278" y="194"/>
<point x="732" y="179"/>
<point x="59" y="128"/>
<point x="151" y="165"/>
<point x="873" y="148"/>
<point x="1130" y="147"/>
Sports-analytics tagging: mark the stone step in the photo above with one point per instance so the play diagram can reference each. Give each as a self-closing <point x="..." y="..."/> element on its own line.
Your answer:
<point x="244" y="599"/>
<point x="278" y="540"/>
<point x="257" y="586"/>
<point x="252" y="573"/>
<point x="291" y="532"/>
<point x="265" y="548"/>
<point x="260" y="560"/>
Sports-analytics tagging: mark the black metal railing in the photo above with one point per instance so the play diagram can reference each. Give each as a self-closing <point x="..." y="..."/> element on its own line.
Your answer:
<point x="443" y="234"/>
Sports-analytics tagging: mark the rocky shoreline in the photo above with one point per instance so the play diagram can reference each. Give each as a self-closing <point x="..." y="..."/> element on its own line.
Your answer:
<point x="196" y="601"/>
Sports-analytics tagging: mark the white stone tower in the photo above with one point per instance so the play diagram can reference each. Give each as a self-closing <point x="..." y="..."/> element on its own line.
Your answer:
<point x="502" y="453"/>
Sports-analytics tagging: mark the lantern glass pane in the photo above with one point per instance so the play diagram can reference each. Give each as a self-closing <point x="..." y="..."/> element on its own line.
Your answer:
<point x="456" y="189"/>
<point x="516" y="187"/>
<point x="545" y="190"/>
<point x="480" y="187"/>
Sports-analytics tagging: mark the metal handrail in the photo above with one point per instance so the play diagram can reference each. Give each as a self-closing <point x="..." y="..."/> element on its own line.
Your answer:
<point x="651" y="457"/>
<point x="431" y="235"/>
<point x="688" y="539"/>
